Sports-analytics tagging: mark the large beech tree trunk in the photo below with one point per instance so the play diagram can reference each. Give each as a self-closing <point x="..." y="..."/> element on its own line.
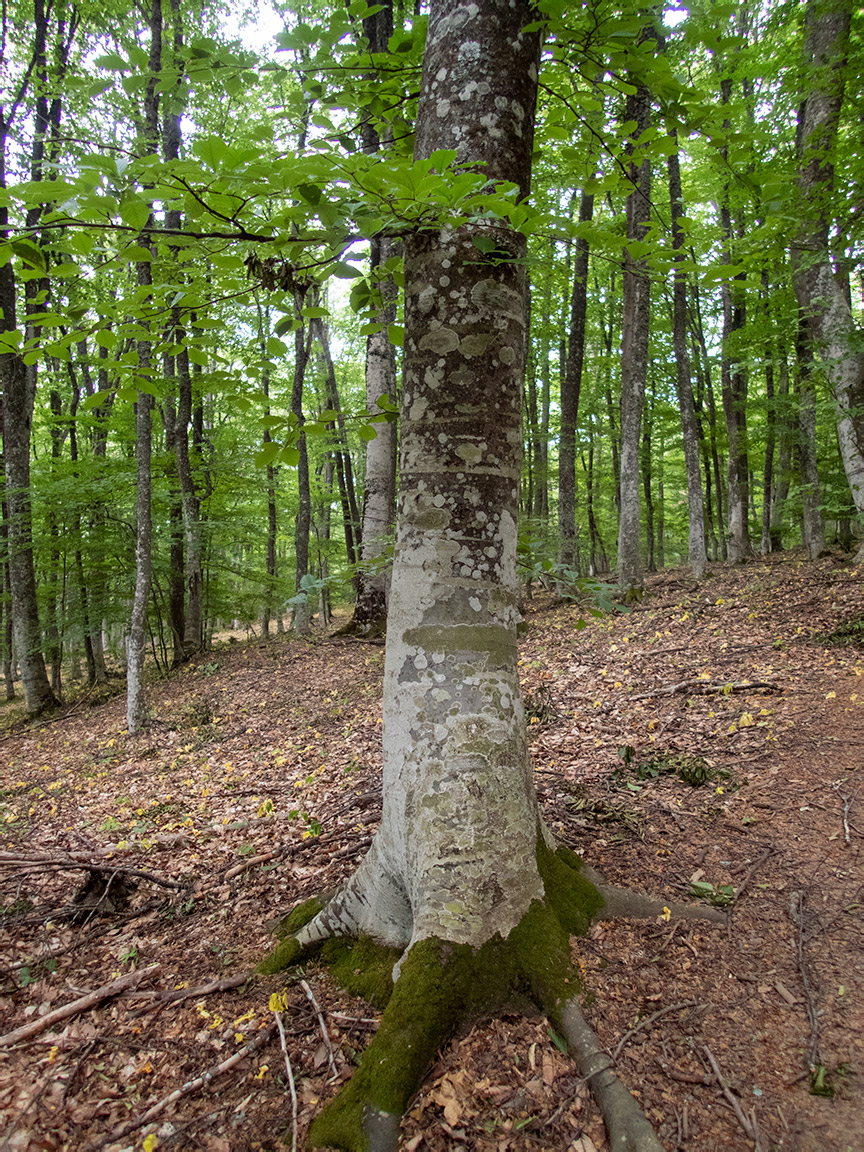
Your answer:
<point x="459" y="806"/>
<point x="461" y="878"/>
<point x="820" y="293"/>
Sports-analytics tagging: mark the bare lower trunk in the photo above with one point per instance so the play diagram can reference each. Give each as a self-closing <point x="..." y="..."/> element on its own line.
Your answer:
<point x="571" y="385"/>
<point x="373" y="576"/>
<point x="634" y="355"/>
<point x="683" y="386"/>
<point x="821" y="297"/>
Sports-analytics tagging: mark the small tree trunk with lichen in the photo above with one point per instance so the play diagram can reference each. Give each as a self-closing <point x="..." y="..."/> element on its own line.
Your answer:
<point x="462" y="896"/>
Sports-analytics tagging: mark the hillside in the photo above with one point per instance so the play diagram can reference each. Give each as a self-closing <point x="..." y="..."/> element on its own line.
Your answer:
<point x="707" y="745"/>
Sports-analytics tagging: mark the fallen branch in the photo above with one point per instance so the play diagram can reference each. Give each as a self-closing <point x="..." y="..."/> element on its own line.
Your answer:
<point x="796" y="915"/>
<point x="45" y="863"/>
<point x="757" y="863"/>
<point x="291" y="1086"/>
<point x="323" y="1026"/>
<point x="76" y="1007"/>
<point x="707" y="688"/>
<point x="190" y="1086"/>
<point x="647" y="1022"/>
<point x="749" y="1129"/>
<point x="175" y="994"/>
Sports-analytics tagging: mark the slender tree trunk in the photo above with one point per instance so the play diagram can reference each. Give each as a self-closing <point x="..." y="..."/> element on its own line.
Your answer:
<point x="301" y="617"/>
<point x="571" y="385"/>
<point x="683" y="386"/>
<point x="787" y="436"/>
<point x="812" y="528"/>
<point x="379" y="493"/>
<point x="645" y="467"/>
<point x="634" y="349"/>
<point x="18" y="385"/>
<point x="176" y="578"/>
<point x="136" y="651"/>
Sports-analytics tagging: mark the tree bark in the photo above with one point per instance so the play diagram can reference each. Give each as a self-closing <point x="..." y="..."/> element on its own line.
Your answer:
<point x="821" y="296"/>
<point x="634" y="349"/>
<point x="571" y="386"/>
<point x="136" y="712"/>
<point x="379" y="490"/>
<point x="683" y="385"/>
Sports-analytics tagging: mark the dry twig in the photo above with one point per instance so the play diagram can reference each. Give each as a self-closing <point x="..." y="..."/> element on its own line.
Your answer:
<point x="291" y="1086"/>
<point x="190" y="1086"/>
<point x="76" y="1007"/>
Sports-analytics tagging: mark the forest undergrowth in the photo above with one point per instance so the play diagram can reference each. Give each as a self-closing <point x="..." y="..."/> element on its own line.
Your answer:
<point x="708" y="745"/>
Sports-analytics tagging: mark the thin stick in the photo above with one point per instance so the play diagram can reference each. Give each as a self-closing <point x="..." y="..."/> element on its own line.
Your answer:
<point x="324" y="1032"/>
<point x="729" y="1094"/>
<point x="291" y="1087"/>
<point x="648" y="1021"/>
<point x="705" y="687"/>
<point x="190" y="1086"/>
<point x="76" y="1007"/>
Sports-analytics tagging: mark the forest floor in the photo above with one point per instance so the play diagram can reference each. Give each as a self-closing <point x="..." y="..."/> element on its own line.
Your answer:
<point x="257" y="785"/>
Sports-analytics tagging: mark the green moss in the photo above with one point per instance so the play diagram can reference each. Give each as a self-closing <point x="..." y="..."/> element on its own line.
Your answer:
<point x="362" y="967"/>
<point x="288" y="951"/>
<point x="574" y="900"/>
<point x="299" y="916"/>
<point x="441" y="983"/>
<point x="431" y="994"/>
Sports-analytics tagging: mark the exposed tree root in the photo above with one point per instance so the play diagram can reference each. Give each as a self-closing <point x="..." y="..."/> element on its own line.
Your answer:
<point x="439" y="983"/>
<point x="626" y="1124"/>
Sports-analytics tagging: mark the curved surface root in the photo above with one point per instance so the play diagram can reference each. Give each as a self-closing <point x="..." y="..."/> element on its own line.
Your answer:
<point x="628" y="1128"/>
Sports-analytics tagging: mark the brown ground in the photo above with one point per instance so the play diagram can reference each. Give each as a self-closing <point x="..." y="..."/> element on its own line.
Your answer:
<point x="254" y="746"/>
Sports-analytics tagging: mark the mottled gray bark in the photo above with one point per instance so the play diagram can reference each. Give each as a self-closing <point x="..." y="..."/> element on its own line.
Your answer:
<point x="455" y="855"/>
<point x="821" y="296"/>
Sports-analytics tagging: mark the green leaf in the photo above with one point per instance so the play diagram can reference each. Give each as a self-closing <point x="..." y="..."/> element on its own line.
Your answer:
<point x="30" y="253"/>
<point x="267" y="454"/>
<point x="367" y="432"/>
<point x="134" y="212"/>
<point x="275" y="347"/>
<point x="290" y="455"/>
<point x="111" y="63"/>
<point x="345" y="271"/>
<point x="315" y="313"/>
<point x="396" y="334"/>
<point x="95" y="400"/>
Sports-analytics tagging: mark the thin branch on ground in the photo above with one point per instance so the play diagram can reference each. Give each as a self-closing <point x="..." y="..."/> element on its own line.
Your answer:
<point x="323" y="1025"/>
<point x="647" y="1022"/>
<point x="190" y="1086"/>
<point x="291" y="1088"/>
<point x="76" y="1007"/>
<point x="730" y="1095"/>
